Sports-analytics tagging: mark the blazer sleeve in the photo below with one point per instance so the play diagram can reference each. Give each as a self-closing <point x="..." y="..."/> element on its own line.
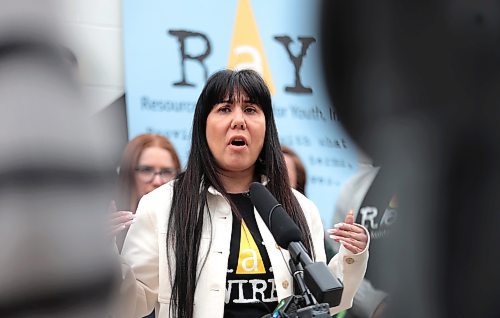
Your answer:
<point x="348" y="267"/>
<point x="140" y="263"/>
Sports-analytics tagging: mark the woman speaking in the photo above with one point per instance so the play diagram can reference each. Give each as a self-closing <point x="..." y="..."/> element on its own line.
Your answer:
<point x="198" y="248"/>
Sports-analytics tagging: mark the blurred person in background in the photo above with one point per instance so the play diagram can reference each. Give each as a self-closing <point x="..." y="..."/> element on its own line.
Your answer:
<point x="368" y="302"/>
<point x="298" y="179"/>
<point x="148" y="161"/>
<point x="374" y="207"/>
<point x="422" y="100"/>
<point x="296" y="170"/>
<point x="55" y="175"/>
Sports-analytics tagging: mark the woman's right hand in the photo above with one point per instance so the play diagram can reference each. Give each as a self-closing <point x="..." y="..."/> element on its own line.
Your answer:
<point x="120" y="220"/>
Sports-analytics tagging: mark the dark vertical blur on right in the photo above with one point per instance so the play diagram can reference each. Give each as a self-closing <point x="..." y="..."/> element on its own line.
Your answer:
<point x="417" y="85"/>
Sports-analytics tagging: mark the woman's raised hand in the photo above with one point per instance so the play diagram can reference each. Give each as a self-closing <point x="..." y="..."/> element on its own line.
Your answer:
<point x="352" y="236"/>
<point x="120" y="220"/>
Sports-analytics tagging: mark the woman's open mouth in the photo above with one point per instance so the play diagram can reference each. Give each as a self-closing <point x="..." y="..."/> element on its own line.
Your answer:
<point x="238" y="142"/>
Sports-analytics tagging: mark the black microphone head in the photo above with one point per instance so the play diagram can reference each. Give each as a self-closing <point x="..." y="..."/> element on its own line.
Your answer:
<point x="276" y="218"/>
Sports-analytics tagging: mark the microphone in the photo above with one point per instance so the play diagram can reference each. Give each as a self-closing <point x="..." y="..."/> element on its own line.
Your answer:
<point x="276" y="218"/>
<point x="318" y="278"/>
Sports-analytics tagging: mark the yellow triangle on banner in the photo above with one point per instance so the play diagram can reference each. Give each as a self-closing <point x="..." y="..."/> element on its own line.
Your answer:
<point x="246" y="50"/>
<point x="249" y="259"/>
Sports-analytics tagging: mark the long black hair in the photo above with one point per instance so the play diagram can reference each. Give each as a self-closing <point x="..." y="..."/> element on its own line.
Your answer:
<point x="190" y="191"/>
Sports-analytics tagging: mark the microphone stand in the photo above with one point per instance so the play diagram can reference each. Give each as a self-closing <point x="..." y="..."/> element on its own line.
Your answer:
<point x="302" y="304"/>
<point x="298" y="276"/>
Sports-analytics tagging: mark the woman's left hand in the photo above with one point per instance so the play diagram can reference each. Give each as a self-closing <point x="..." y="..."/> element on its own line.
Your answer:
<point x="119" y="220"/>
<point x="349" y="234"/>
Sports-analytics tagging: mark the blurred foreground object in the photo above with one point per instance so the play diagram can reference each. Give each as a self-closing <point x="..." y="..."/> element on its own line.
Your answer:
<point x="417" y="85"/>
<point x="54" y="178"/>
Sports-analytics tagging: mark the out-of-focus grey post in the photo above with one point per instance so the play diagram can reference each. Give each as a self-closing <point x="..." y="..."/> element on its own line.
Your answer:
<point x="55" y="258"/>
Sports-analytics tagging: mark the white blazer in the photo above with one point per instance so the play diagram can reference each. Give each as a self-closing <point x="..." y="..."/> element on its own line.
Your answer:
<point x="146" y="282"/>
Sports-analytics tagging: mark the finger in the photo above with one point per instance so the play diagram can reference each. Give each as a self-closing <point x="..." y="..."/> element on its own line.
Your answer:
<point x="120" y="227"/>
<point x="123" y="213"/>
<point x="349" y="234"/>
<point x="349" y="218"/>
<point x="350" y="247"/>
<point x="121" y="217"/>
<point x="121" y="221"/>
<point x="118" y="214"/>
<point x="348" y="227"/>
<point x="361" y="245"/>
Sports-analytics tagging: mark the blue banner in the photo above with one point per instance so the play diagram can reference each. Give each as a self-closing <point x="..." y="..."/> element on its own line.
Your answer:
<point x="171" y="47"/>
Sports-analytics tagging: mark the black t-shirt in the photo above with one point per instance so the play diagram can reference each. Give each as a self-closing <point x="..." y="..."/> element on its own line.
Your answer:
<point x="250" y="288"/>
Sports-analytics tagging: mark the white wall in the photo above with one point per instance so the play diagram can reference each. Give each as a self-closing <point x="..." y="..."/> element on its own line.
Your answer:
<point x="93" y="30"/>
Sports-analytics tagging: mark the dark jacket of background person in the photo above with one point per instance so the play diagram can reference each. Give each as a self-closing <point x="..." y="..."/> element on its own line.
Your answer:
<point x="422" y="100"/>
<point x="351" y="197"/>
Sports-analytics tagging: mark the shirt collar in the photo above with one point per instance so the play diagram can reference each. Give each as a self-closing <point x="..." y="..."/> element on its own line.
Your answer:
<point x="263" y="179"/>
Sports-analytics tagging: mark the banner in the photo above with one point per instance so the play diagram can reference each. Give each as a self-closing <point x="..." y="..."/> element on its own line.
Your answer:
<point x="171" y="47"/>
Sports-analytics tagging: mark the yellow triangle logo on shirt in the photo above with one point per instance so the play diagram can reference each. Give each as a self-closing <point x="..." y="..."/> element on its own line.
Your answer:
<point x="246" y="50"/>
<point x="249" y="259"/>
